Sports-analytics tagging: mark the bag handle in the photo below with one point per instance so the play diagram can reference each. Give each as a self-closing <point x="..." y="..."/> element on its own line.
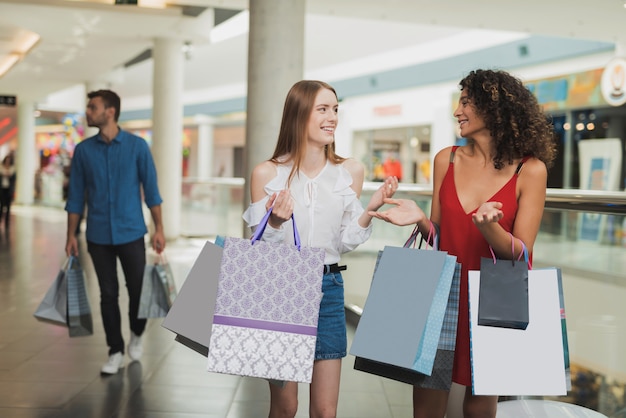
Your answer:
<point x="523" y="252"/>
<point x="161" y="258"/>
<point x="71" y="262"/>
<point x="259" y="230"/>
<point x="433" y="236"/>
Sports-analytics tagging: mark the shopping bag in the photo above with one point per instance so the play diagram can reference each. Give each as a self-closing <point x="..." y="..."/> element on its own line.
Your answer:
<point x="191" y="315"/>
<point x="426" y="303"/>
<point x="503" y="297"/>
<point x="568" y="372"/>
<point x="441" y="375"/>
<point x="267" y="307"/>
<point x="512" y="362"/>
<point x="53" y="307"/>
<point x="158" y="289"/>
<point x="79" y="318"/>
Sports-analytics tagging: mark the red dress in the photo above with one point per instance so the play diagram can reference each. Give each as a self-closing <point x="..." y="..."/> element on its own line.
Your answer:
<point x="460" y="237"/>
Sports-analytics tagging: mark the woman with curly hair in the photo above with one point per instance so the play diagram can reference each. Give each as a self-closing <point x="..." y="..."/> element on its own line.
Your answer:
<point x="485" y="194"/>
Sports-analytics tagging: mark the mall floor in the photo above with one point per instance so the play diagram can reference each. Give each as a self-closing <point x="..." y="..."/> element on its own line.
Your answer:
<point x="46" y="374"/>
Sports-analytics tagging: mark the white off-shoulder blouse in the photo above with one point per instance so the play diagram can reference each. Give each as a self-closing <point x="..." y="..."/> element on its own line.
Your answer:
<point x="326" y="211"/>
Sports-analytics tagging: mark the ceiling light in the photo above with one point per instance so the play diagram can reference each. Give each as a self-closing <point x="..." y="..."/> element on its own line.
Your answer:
<point x="22" y="46"/>
<point x="27" y="41"/>
<point x="8" y="62"/>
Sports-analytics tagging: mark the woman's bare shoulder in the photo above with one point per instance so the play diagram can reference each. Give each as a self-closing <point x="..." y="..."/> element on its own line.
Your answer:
<point x="353" y="166"/>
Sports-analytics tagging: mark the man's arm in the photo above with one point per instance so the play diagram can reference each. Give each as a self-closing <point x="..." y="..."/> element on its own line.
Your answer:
<point x="71" y="243"/>
<point x="158" y="239"/>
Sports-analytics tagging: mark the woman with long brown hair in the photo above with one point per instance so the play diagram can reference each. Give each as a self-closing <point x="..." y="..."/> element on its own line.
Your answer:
<point x="306" y="178"/>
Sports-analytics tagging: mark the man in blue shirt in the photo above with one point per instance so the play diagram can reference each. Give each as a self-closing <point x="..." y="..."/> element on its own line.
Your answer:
<point x="111" y="171"/>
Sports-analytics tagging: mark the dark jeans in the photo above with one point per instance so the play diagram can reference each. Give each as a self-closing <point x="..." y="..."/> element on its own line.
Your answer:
<point x="133" y="260"/>
<point x="5" y="205"/>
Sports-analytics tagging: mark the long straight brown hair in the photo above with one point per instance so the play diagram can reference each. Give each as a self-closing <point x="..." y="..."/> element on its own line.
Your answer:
<point x="292" y="137"/>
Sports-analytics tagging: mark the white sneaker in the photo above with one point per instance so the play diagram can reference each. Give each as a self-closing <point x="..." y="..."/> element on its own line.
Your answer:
<point x="135" y="350"/>
<point x="116" y="362"/>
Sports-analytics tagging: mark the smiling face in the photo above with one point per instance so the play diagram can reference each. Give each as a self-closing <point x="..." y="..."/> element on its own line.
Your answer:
<point x="323" y="118"/>
<point x="470" y="123"/>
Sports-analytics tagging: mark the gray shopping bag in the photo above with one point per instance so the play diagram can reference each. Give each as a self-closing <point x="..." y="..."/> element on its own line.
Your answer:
<point x="158" y="290"/>
<point x="53" y="307"/>
<point x="441" y="374"/>
<point x="399" y="299"/>
<point x="503" y="297"/>
<point x="79" y="318"/>
<point x="191" y="315"/>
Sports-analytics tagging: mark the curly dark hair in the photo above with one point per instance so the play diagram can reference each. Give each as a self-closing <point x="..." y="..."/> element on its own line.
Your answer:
<point x="515" y="119"/>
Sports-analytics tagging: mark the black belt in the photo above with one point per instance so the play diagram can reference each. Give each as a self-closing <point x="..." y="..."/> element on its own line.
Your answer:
<point x="334" y="268"/>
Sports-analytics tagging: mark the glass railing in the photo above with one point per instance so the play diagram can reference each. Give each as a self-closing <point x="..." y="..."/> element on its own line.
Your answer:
<point x="582" y="232"/>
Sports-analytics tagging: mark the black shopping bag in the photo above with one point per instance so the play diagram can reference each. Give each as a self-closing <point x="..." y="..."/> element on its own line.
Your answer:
<point x="503" y="294"/>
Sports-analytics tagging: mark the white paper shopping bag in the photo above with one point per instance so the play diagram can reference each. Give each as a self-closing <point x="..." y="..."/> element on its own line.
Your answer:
<point x="516" y="362"/>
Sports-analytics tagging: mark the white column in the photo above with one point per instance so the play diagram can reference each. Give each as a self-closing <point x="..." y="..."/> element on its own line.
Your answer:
<point x="204" y="159"/>
<point x="442" y="132"/>
<point x="167" y="129"/>
<point x="27" y="158"/>
<point x="275" y="63"/>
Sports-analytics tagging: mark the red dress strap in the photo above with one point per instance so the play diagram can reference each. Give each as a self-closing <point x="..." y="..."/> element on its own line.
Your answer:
<point x="521" y="163"/>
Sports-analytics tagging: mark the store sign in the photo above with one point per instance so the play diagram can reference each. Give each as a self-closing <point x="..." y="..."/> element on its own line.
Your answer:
<point x="613" y="84"/>
<point x="8" y="100"/>
<point x="393" y="110"/>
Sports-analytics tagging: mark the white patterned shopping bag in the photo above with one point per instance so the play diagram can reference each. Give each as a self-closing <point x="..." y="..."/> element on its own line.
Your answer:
<point x="267" y="307"/>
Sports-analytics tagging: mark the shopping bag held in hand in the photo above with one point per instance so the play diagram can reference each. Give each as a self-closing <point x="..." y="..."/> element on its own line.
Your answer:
<point x="503" y="295"/>
<point x="79" y="319"/>
<point x="66" y="302"/>
<point x="191" y="315"/>
<point x="267" y="307"/>
<point x="158" y="289"/>
<point x="530" y="362"/>
<point x="413" y="341"/>
<point x="53" y="307"/>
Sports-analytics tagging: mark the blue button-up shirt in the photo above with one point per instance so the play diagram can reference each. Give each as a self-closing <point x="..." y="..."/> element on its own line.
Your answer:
<point x="110" y="178"/>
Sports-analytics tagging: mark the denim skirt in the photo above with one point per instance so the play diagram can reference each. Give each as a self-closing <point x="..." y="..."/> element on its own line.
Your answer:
<point x="331" y="326"/>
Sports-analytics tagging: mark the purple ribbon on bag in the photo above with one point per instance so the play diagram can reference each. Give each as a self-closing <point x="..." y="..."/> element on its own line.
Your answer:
<point x="259" y="230"/>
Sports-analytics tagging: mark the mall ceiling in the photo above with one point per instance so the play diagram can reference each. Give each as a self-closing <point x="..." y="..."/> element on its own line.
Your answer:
<point x="96" y="42"/>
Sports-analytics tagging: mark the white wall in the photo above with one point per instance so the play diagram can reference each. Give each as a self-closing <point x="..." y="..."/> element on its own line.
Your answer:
<point x="433" y="105"/>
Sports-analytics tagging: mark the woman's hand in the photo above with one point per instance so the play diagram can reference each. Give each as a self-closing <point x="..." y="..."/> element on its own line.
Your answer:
<point x="282" y="208"/>
<point x="385" y="191"/>
<point x="404" y="212"/>
<point x="488" y="212"/>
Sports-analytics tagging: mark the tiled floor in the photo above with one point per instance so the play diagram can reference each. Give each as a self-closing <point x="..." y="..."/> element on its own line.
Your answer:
<point x="46" y="374"/>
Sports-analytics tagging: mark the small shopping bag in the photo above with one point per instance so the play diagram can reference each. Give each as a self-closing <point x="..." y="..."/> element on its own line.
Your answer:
<point x="513" y="362"/>
<point x="425" y="303"/>
<point x="79" y="318"/>
<point x="53" y="307"/>
<point x="158" y="289"/>
<point x="267" y="308"/>
<point x="503" y="297"/>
